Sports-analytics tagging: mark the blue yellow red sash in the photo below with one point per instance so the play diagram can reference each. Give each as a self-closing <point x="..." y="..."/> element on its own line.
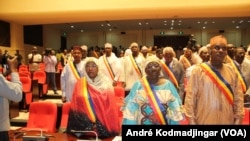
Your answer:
<point x="74" y="70"/>
<point x="108" y="67"/>
<point x="216" y="77"/>
<point x="170" y="73"/>
<point x="154" y="101"/>
<point x="135" y="66"/>
<point x="186" y="61"/>
<point x="242" y="81"/>
<point x="87" y="100"/>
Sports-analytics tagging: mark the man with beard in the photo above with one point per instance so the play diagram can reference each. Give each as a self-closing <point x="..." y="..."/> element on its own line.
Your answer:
<point x="214" y="94"/>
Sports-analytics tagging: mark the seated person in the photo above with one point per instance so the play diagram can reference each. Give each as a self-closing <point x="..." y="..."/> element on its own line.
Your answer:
<point x="92" y="105"/>
<point x="153" y="100"/>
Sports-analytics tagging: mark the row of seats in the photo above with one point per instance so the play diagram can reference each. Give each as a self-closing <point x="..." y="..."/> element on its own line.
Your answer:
<point x="43" y="114"/>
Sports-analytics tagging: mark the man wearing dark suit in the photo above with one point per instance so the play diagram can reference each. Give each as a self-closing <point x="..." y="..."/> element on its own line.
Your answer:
<point x="176" y="68"/>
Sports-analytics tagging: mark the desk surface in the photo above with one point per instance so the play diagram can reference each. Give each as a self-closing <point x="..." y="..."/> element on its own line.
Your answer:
<point x="52" y="136"/>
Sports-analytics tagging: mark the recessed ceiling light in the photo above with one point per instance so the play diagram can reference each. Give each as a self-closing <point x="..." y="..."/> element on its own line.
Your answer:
<point x="204" y="27"/>
<point x="139" y="23"/>
<point x="198" y="22"/>
<point x="233" y="21"/>
<point x="72" y="26"/>
<point x="237" y="27"/>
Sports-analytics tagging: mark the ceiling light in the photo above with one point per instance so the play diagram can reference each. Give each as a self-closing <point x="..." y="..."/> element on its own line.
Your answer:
<point x="241" y="21"/>
<point x="204" y="27"/>
<point x="233" y="21"/>
<point x="82" y="30"/>
<point x="72" y="26"/>
<point x="237" y="27"/>
<point x="198" y="22"/>
<point x="139" y="23"/>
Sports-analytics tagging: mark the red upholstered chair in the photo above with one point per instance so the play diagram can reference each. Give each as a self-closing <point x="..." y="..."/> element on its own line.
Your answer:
<point x="23" y="68"/>
<point x="119" y="95"/>
<point x="246" y="120"/>
<point x="65" y="115"/>
<point x="27" y="93"/>
<point x="42" y="116"/>
<point x="24" y="73"/>
<point x="41" y="66"/>
<point x="41" y="77"/>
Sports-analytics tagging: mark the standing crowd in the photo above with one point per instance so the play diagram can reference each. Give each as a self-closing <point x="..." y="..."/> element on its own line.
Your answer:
<point x="205" y="85"/>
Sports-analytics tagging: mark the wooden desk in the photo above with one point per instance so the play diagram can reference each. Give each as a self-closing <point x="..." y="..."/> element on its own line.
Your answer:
<point x="53" y="136"/>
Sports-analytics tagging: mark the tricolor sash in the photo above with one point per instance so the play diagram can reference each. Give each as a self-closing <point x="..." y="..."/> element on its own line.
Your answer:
<point x="154" y="101"/>
<point x="169" y="73"/>
<point x="220" y="82"/>
<point x="108" y="67"/>
<point x="186" y="61"/>
<point x="87" y="100"/>
<point x="74" y="70"/>
<point x="240" y="76"/>
<point x="135" y="66"/>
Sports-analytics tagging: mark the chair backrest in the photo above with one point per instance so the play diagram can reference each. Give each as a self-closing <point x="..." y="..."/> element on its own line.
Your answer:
<point x="24" y="73"/>
<point x="119" y="96"/>
<point x="119" y="92"/>
<point x="246" y="120"/>
<point x="23" y="68"/>
<point x="65" y="115"/>
<point x="42" y="115"/>
<point x="41" y="66"/>
<point x="40" y="76"/>
<point x="26" y="82"/>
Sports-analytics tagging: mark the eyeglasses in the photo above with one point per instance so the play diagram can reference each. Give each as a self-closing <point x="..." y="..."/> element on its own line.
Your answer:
<point x="91" y="66"/>
<point x="224" y="48"/>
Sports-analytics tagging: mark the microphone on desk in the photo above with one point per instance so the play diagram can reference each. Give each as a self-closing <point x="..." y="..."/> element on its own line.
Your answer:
<point x="41" y="137"/>
<point x="79" y="131"/>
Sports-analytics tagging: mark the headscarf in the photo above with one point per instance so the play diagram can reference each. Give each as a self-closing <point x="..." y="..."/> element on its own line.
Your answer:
<point x="101" y="81"/>
<point x="149" y="59"/>
<point x="84" y="47"/>
<point x="204" y="48"/>
<point x="77" y="48"/>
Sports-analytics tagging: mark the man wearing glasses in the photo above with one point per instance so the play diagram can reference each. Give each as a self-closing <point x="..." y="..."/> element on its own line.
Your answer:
<point x="214" y="94"/>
